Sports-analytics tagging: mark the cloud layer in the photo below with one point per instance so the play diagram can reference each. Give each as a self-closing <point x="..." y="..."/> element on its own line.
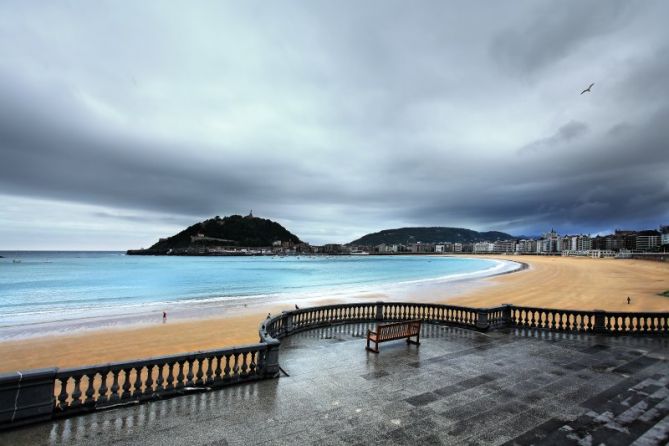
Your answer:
<point x="334" y="119"/>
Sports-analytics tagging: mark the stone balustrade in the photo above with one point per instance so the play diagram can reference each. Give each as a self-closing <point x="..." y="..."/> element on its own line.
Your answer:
<point x="38" y="395"/>
<point x="595" y="321"/>
<point x="64" y="392"/>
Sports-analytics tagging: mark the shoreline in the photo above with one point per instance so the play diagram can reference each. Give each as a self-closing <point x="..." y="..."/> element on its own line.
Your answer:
<point x="145" y="315"/>
<point x="557" y="282"/>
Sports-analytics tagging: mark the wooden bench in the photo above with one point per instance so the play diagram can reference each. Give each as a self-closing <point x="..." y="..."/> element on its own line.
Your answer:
<point x="394" y="331"/>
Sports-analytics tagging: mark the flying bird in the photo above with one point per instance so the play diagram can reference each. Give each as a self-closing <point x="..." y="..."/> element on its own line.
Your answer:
<point x="587" y="90"/>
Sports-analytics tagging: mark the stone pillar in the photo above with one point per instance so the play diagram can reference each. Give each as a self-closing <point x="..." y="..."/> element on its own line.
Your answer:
<point x="379" y="311"/>
<point x="287" y="322"/>
<point x="271" y="363"/>
<point x="600" y="326"/>
<point x="507" y="314"/>
<point x="482" y="320"/>
<point x="26" y="397"/>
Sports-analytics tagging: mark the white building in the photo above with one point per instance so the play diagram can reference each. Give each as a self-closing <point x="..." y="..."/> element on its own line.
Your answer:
<point x="504" y="246"/>
<point x="484" y="247"/>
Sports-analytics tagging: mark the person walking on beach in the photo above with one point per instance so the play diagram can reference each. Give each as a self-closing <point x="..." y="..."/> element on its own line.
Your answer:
<point x="628" y="300"/>
<point x="164" y="317"/>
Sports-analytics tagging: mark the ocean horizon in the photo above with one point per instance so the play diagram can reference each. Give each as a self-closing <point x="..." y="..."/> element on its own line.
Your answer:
<point x="46" y="291"/>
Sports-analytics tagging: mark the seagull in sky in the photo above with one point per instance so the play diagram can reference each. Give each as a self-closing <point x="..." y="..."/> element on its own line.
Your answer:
<point x="587" y="90"/>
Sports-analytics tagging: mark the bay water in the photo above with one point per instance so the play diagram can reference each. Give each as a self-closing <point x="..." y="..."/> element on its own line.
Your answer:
<point x="40" y="290"/>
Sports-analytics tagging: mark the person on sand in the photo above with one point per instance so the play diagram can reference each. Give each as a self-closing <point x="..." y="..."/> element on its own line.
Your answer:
<point x="164" y="317"/>
<point x="628" y="300"/>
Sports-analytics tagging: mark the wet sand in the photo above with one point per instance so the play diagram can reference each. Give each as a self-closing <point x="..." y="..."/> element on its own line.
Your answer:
<point x="553" y="282"/>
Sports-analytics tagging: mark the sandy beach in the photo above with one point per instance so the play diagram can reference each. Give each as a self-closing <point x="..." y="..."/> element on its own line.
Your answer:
<point x="555" y="282"/>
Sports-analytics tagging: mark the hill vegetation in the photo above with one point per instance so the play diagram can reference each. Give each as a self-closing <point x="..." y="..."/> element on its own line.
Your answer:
<point x="232" y="231"/>
<point x="429" y="235"/>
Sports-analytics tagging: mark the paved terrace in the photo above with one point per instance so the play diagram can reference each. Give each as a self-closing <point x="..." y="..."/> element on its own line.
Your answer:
<point x="460" y="386"/>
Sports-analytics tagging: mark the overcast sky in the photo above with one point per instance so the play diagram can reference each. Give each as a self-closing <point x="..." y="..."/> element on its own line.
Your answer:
<point x="121" y="123"/>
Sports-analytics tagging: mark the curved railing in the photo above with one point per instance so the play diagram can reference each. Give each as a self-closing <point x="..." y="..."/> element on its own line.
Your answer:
<point x="594" y="321"/>
<point x="37" y="395"/>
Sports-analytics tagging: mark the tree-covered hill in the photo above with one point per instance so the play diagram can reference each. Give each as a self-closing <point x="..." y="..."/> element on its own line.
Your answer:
<point x="429" y="235"/>
<point x="234" y="230"/>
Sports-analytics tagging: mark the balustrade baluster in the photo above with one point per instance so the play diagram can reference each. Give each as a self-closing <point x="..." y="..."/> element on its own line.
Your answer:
<point x="235" y="368"/>
<point x="244" y="367"/>
<point x="210" y="369"/>
<point x="90" y="390"/>
<point x="102" y="392"/>
<point x="148" y="384"/>
<point x="199" y="374"/>
<point x="189" y="375"/>
<point x="138" y="382"/>
<point x="62" y="396"/>
<point x="180" y="375"/>
<point x="227" y="367"/>
<point x="126" y="384"/>
<point x="114" y="388"/>
<point x="170" y="376"/>
<point x="252" y="365"/>
<point x="76" y="393"/>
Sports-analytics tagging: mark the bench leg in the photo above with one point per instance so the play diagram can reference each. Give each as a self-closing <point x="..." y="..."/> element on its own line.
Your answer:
<point x="416" y="342"/>
<point x="369" y="349"/>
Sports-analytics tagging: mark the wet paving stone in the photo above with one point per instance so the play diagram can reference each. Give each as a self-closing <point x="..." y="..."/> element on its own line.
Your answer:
<point x="508" y="387"/>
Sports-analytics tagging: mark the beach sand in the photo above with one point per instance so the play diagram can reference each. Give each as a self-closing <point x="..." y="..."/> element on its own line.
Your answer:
<point x="552" y="282"/>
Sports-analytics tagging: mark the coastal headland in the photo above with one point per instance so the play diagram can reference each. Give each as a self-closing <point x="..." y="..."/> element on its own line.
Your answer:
<point x="552" y="282"/>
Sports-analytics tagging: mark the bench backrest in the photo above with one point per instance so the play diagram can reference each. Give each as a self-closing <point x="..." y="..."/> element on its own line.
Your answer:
<point x="398" y="329"/>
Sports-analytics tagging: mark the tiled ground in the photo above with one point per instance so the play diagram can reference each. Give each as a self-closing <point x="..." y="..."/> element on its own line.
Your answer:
<point x="458" y="387"/>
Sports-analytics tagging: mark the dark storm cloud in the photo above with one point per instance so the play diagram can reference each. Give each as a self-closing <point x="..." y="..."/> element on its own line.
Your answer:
<point x="621" y="180"/>
<point x="339" y="123"/>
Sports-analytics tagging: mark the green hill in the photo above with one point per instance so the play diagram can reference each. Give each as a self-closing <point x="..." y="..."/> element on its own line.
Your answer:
<point x="231" y="231"/>
<point x="429" y="235"/>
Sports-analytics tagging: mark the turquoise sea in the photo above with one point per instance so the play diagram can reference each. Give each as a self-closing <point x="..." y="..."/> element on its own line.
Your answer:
<point x="40" y="291"/>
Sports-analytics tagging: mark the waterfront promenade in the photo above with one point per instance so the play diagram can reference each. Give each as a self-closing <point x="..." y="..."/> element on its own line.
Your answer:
<point x="507" y="386"/>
